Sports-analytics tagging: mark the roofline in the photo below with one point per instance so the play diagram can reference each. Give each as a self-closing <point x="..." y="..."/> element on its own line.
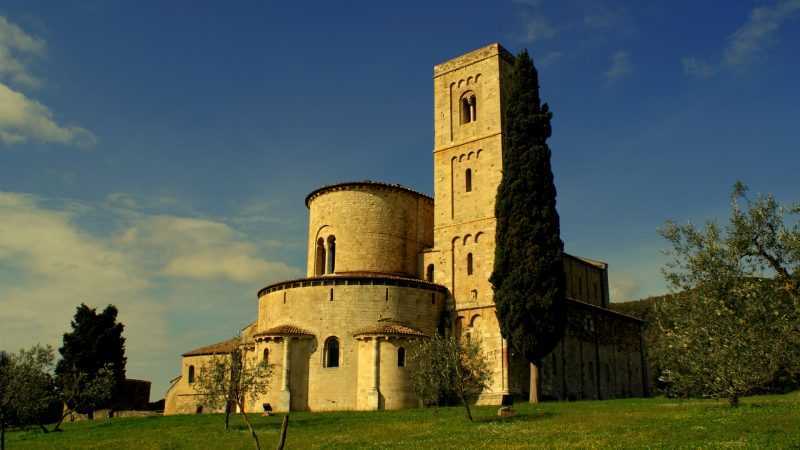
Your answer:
<point x="605" y="310"/>
<point x="594" y="262"/>
<point x="361" y="279"/>
<point x="353" y="184"/>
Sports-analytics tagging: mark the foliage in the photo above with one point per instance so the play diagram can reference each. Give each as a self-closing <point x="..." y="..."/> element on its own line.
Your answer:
<point x="761" y="422"/>
<point x="736" y="329"/>
<point x="444" y="367"/>
<point x="95" y="344"/>
<point x="27" y="391"/>
<point x="528" y="278"/>
<point x="231" y="380"/>
<point x="79" y="391"/>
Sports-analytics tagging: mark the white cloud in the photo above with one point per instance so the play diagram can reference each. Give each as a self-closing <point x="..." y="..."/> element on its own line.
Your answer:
<point x="758" y="32"/>
<point x="698" y="68"/>
<point x="748" y="41"/>
<point x="21" y="118"/>
<point x="621" y="66"/>
<point x="538" y="28"/>
<point x="16" y="47"/>
<point x="160" y="271"/>
<point x="202" y="249"/>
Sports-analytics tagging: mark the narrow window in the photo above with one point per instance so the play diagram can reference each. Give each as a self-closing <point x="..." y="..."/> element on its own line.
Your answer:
<point x="429" y="273"/>
<point x="469" y="263"/>
<point x="266" y="356"/>
<point x="191" y="374"/>
<point x="468" y="180"/>
<point x="320" y="259"/>
<point x="473" y="110"/>
<point x="331" y="254"/>
<point x="433" y="298"/>
<point x="331" y="357"/>
<point x="466" y="114"/>
<point x="401" y="357"/>
<point x="331" y="295"/>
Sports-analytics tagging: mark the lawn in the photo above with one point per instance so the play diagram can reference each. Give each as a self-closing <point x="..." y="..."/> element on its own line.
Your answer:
<point x="760" y="422"/>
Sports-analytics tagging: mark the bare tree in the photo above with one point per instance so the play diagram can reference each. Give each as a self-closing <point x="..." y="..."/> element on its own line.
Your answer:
<point x="228" y="381"/>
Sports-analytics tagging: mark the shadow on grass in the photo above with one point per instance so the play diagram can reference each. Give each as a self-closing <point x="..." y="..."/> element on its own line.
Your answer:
<point x="528" y="417"/>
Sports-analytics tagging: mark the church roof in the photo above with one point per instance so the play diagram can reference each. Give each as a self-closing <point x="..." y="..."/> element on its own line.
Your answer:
<point x="284" y="330"/>
<point x="366" y="183"/>
<point x="390" y="328"/>
<point x="219" y="348"/>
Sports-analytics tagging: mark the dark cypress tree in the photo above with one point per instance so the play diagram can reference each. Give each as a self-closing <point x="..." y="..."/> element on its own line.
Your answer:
<point x="528" y="279"/>
<point x="95" y="342"/>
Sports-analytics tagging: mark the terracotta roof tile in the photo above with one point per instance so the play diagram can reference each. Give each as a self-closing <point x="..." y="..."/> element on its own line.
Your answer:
<point x="389" y="328"/>
<point x="284" y="330"/>
<point x="215" y="349"/>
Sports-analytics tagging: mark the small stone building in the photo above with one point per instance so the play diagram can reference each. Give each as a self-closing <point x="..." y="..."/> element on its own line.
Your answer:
<point x="387" y="266"/>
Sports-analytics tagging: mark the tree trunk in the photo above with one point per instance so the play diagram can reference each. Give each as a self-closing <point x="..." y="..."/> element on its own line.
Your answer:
<point x="250" y="427"/>
<point x="734" y="401"/>
<point x="466" y="406"/>
<point x="60" y="420"/>
<point x="284" y="427"/>
<point x="227" y="414"/>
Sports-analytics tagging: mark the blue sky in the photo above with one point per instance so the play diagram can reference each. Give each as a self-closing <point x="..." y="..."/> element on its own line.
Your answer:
<point x="155" y="155"/>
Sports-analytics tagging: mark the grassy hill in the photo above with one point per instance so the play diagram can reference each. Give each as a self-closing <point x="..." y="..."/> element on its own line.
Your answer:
<point x="761" y="422"/>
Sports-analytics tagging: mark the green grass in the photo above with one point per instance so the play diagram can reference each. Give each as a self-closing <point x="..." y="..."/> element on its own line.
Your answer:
<point x="760" y="422"/>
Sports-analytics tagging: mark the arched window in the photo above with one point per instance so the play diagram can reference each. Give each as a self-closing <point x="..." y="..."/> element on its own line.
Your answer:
<point x="469" y="111"/>
<point x="191" y="374"/>
<point x="331" y="353"/>
<point x="266" y="356"/>
<point x="468" y="180"/>
<point x="319" y="263"/>
<point x="469" y="263"/>
<point x="466" y="114"/>
<point x="331" y="254"/>
<point x="429" y="273"/>
<point x="401" y="357"/>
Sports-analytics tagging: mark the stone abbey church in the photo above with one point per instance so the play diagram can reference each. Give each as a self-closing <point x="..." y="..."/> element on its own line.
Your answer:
<point x="388" y="266"/>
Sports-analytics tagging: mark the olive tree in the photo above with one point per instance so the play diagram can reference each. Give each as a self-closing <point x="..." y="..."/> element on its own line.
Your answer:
<point x="230" y="380"/>
<point x="443" y="367"/>
<point x="733" y="325"/>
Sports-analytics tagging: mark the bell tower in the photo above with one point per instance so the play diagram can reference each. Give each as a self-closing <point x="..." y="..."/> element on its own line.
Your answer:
<point x="468" y="142"/>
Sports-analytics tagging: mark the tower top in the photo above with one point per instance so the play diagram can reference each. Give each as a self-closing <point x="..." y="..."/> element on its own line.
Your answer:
<point x="472" y="57"/>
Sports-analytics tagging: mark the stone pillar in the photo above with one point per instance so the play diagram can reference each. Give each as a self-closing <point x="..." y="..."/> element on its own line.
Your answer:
<point x="284" y="395"/>
<point x="534" y="398"/>
<point x="374" y="395"/>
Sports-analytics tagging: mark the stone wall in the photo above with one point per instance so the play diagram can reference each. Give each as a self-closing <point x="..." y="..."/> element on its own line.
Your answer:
<point x="377" y="228"/>
<point x="340" y="310"/>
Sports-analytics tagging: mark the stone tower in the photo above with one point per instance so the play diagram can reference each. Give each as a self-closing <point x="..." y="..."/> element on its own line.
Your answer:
<point x="467" y="153"/>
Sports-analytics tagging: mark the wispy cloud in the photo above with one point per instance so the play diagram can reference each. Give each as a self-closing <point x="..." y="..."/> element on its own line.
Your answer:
<point x="17" y="47"/>
<point x="758" y="32"/>
<point x="538" y="28"/>
<point x="621" y="66"/>
<point x="549" y="59"/>
<point x="624" y="287"/>
<point x="157" y="269"/>
<point x="698" y="68"/>
<point x="23" y="119"/>
<point x="602" y="17"/>
<point x="749" y="41"/>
